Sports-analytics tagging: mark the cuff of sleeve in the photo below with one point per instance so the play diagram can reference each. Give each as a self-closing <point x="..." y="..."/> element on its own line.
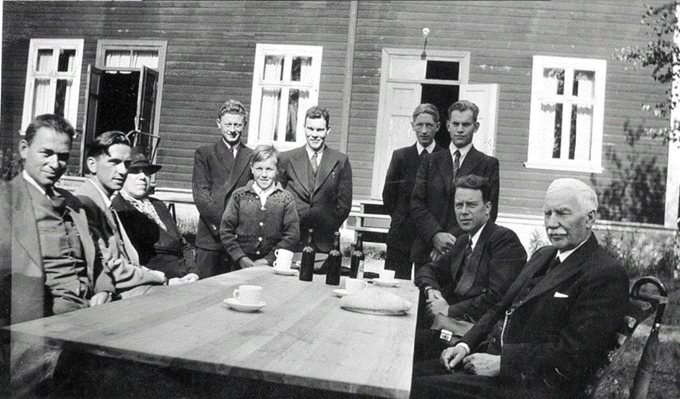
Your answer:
<point x="464" y="346"/>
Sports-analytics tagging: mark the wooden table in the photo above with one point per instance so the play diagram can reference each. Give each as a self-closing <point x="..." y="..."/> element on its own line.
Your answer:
<point x="301" y="337"/>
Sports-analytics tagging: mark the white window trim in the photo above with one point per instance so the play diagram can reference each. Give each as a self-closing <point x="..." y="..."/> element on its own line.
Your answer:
<point x="55" y="45"/>
<point x="534" y="158"/>
<point x="261" y="51"/>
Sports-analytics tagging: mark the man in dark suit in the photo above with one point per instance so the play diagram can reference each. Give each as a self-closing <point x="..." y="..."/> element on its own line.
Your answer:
<point x="432" y="196"/>
<point x="49" y="263"/>
<point x="399" y="181"/>
<point x="219" y="169"/>
<point x="150" y="226"/>
<point x="320" y="179"/>
<point x="552" y="330"/>
<point x="476" y="273"/>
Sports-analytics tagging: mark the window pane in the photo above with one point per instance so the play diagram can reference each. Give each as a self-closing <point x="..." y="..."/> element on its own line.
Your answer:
<point x="442" y="70"/>
<point x="300" y="69"/>
<point x="44" y="61"/>
<point x="584" y="84"/>
<point x="581" y="132"/>
<point x="117" y="58"/>
<point x="273" y="68"/>
<point x="66" y="58"/>
<point x="269" y="113"/>
<point x="553" y="81"/>
<point x="61" y="96"/>
<point x="557" y="138"/>
<point x="41" y="98"/>
<point x="147" y="58"/>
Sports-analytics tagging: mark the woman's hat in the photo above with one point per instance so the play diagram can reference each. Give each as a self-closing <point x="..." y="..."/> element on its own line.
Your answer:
<point x="139" y="161"/>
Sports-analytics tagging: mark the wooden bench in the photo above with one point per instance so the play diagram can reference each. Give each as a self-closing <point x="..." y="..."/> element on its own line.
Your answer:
<point x="372" y="220"/>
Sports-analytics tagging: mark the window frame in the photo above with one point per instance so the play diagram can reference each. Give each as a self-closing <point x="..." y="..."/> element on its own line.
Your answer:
<point x="263" y="50"/>
<point x="536" y="157"/>
<point x="31" y="75"/>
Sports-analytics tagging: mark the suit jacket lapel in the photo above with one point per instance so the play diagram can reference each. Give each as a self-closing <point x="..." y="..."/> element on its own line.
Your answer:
<point x="23" y="222"/>
<point x="472" y="159"/>
<point x="445" y="166"/>
<point x="571" y="266"/>
<point x="225" y="156"/>
<point x="328" y="161"/>
<point x="471" y="267"/>
<point x="457" y="257"/>
<point x="80" y="222"/>
<point x="238" y="168"/>
<point x="298" y="162"/>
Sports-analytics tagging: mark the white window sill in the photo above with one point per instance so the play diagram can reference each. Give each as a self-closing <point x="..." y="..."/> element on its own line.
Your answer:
<point x="566" y="166"/>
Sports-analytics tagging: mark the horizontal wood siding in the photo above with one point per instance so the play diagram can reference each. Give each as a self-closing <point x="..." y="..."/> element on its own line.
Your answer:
<point x="502" y="37"/>
<point x="210" y="56"/>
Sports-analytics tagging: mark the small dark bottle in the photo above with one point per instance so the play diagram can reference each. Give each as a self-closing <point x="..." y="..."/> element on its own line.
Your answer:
<point x="357" y="259"/>
<point x="334" y="262"/>
<point x="308" y="257"/>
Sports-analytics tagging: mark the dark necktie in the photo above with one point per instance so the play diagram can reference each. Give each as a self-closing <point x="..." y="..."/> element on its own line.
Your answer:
<point x="56" y="200"/>
<point x="315" y="166"/>
<point x="456" y="164"/>
<point x="466" y="273"/>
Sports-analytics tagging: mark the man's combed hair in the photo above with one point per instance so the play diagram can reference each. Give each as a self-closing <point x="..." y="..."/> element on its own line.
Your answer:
<point x="101" y="144"/>
<point x="426" y="108"/>
<point x="233" y="107"/>
<point x="474" y="182"/>
<point x="50" y="121"/>
<point x="464" y="105"/>
<point x="317" y="112"/>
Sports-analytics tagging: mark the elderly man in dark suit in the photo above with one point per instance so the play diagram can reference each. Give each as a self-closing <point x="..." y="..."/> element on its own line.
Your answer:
<point x="320" y="179"/>
<point x="552" y="330"/>
<point x="150" y="226"/>
<point x="399" y="181"/>
<point x="431" y="210"/>
<point x="476" y="273"/>
<point x="49" y="263"/>
<point x="219" y="169"/>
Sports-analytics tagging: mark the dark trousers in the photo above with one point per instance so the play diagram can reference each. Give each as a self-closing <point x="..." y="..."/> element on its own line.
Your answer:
<point x="399" y="260"/>
<point x="211" y="263"/>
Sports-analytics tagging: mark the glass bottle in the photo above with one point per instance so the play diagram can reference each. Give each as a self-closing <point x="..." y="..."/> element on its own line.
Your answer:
<point x="308" y="258"/>
<point x="356" y="269"/>
<point x="334" y="262"/>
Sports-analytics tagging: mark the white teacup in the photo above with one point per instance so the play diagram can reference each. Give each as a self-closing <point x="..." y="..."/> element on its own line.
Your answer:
<point x="354" y="285"/>
<point x="387" y="275"/>
<point x="248" y="294"/>
<point x="284" y="258"/>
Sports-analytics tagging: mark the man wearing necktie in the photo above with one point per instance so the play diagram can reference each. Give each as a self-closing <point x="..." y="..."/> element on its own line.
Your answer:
<point x="108" y="159"/>
<point x="320" y="179"/>
<point x="472" y="277"/>
<point x="49" y="263"/>
<point x="219" y="169"/>
<point x="433" y="192"/>
<point x="399" y="181"/>
<point x="552" y="330"/>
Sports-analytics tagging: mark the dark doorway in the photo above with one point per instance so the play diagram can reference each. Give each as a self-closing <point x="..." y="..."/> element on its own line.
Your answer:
<point x="440" y="96"/>
<point x="117" y="102"/>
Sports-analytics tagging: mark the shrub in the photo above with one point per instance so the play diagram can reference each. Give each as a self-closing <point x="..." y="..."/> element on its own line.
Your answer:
<point x="10" y="164"/>
<point x="641" y="254"/>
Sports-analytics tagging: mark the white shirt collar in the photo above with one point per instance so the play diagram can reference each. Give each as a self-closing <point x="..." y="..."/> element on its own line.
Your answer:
<point x="34" y="183"/>
<point x="107" y="200"/>
<point x="463" y="151"/>
<point x="429" y="148"/>
<point x="319" y="153"/>
<point x="475" y="237"/>
<point x="563" y="255"/>
<point x="229" y="146"/>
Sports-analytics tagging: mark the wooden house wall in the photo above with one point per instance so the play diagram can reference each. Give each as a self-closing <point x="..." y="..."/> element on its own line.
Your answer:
<point x="211" y="48"/>
<point x="502" y="37"/>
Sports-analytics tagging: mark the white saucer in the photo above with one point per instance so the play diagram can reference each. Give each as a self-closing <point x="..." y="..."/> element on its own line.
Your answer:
<point x="243" y="307"/>
<point x="385" y="283"/>
<point x="340" y="292"/>
<point x="285" y="272"/>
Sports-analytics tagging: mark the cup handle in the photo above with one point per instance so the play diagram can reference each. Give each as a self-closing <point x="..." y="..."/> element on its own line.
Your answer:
<point x="275" y="263"/>
<point x="276" y="253"/>
<point x="236" y="294"/>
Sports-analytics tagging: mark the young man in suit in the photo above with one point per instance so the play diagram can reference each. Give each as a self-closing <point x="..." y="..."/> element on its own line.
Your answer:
<point x="108" y="159"/>
<point x="399" y="181"/>
<point x="432" y="197"/>
<point x="553" y="328"/>
<point x="49" y="263"/>
<point x="476" y="273"/>
<point x="320" y="179"/>
<point x="219" y="169"/>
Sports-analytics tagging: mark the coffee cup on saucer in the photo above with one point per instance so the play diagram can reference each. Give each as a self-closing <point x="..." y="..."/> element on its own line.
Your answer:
<point x="387" y="275"/>
<point x="248" y="294"/>
<point x="284" y="259"/>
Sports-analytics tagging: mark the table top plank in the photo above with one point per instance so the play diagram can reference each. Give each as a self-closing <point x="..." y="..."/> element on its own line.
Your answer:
<point x="301" y="337"/>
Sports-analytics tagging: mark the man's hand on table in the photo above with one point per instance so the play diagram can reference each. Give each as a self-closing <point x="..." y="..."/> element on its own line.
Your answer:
<point x="246" y="262"/>
<point x="100" y="298"/>
<point x="189" y="278"/>
<point x="261" y="262"/>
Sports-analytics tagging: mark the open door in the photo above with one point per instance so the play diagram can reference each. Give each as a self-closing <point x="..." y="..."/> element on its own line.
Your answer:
<point x="486" y="98"/>
<point x="146" y="106"/>
<point x="92" y="90"/>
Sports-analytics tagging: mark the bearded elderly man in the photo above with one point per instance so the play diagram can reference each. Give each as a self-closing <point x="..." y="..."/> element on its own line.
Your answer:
<point x="551" y="331"/>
